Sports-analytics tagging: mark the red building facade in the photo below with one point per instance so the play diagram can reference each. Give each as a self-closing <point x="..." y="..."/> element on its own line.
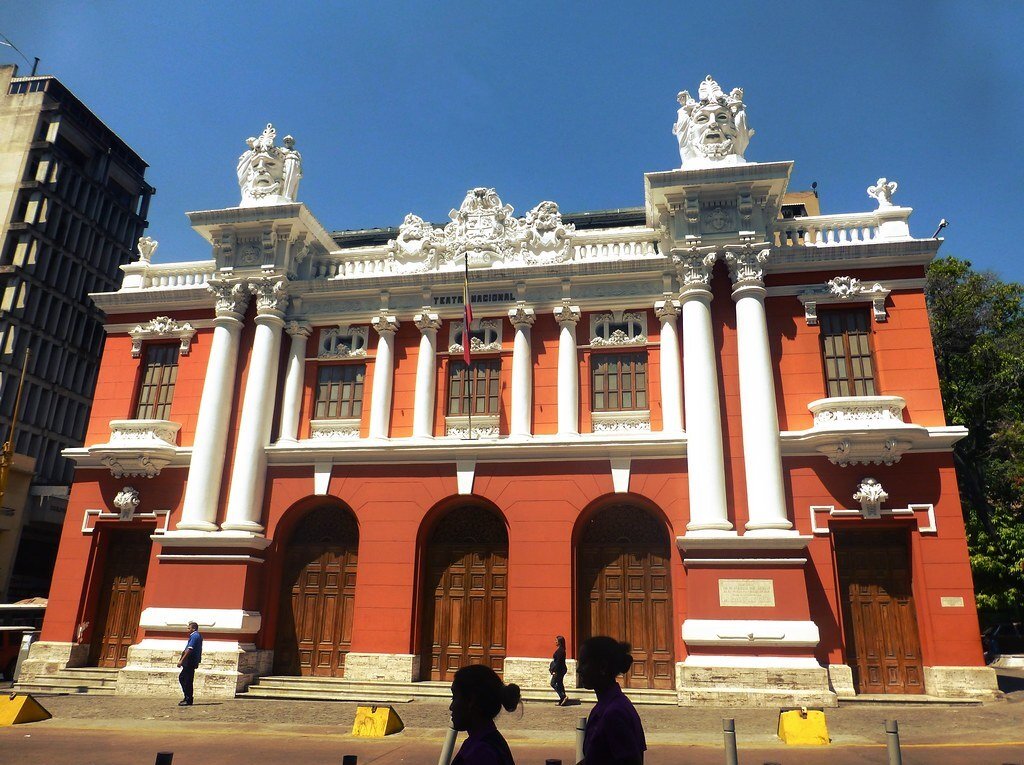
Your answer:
<point x="710" y="425"/>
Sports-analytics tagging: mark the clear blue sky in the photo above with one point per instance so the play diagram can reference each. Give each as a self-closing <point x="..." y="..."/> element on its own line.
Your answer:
<point x="400" y="107"/>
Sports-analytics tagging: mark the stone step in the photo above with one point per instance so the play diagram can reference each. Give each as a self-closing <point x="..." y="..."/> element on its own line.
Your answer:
<point x="905" y="699"/>
<point x="62" y="688"/>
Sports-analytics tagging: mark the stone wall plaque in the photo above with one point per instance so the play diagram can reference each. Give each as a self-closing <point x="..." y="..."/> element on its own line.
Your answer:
<point x="746" y="593"/>
<point x="957" y="602"/>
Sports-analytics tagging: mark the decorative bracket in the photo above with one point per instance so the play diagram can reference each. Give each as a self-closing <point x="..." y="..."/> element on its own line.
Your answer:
<point x="162" y="327"/>
<point x="845" y="289"/>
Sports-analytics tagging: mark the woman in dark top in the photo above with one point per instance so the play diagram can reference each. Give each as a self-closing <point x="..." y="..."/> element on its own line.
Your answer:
<point x="558" y="669"/>
<point x="478" y="695"/>
<point x="614" y="734"/>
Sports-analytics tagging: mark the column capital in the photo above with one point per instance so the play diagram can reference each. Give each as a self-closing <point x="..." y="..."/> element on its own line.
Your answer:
<point x="427" y="321"/>
<point x="271" y="295"/>
<point x="521" y="316"/>
<point x="231" y="297"/>
<point x="694" y="267"/>
<point x="297" y="328"/>
<point x="385" y="323"/>
<point x="667" y="310"/>
<point x="567" y="314"/>
<point x="746" y="263"/>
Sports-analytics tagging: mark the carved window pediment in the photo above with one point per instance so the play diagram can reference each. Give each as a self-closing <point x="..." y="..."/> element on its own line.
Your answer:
<point x="618" y="328"/>
<point x="343" y="342"/>
<point x="845" y="289"/>
<point x="162" y="328"/>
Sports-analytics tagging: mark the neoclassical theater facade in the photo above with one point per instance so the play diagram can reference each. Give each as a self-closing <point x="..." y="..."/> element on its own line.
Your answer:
<point x="709" y="425"/>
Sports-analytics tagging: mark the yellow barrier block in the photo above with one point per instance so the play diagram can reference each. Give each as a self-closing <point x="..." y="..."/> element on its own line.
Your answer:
<point x="803" y="728"/>
<point x="376" y="722"/>
<point x="21" y="708"/>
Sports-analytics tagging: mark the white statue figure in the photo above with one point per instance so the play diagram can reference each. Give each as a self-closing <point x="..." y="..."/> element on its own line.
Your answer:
<point x="416" y="247"/>
<point x="269" y="174"/>
<point x="147" y="246"/>
<point x="546" y="239"/>
<point x="712" y="130"/>
<point x="882" y="192"/>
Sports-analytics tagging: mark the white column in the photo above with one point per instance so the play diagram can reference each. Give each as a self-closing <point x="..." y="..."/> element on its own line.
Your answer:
<point x="383" y="374"/>
<point x="705" y="456"/>
<point x="206" y="468"/>
<point x="762" y="455"/>
<point x="567" y="317"/>
<point x="426" y="374"/>
<point x="249" y="467"/>
<point x="291" y="402"/>
<point x="671" y="371"/>
<point x="522" y="319"/>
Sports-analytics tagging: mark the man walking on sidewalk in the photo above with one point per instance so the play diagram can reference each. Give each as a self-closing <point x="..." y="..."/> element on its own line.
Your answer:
<point x="188" y="662"/>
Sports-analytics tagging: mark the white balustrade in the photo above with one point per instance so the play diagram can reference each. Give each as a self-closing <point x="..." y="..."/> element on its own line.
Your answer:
<point x="834" y="230"/>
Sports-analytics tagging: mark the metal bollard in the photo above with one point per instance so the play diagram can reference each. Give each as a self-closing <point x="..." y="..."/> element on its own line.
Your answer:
<point x="892" y="742"/>
<point x="729" y="733"/>
<point x="581" y="734"/>
<point x="449" y="746"/>
<point x="552" y="762"/>
<point x="349" y="759"/>
<point x="164" y="758"/>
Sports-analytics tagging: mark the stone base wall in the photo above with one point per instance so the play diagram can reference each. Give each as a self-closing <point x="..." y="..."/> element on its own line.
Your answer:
<point x="222" y="674"/>
<point x="49" y="657"/>
<point x="533" y="673"/>
<point x="960" y="682"/>
<point x="840" y="679"/>
<point x="753" y="686"/>
<point x="386" y="667"/>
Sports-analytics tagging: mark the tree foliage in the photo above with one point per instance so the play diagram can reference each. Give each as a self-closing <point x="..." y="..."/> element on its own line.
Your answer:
<point x="977" y="325"/>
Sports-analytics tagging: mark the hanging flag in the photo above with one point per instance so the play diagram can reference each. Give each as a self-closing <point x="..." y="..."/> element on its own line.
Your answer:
<point x="467" y="319"/>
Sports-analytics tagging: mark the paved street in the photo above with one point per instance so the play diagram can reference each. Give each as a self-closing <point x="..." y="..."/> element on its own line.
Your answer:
<point x="129" y="731"/>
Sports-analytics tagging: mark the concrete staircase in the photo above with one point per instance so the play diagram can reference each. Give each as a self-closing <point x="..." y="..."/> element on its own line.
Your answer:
<point x="98" y="681"/>
<point x="380" y="692"/>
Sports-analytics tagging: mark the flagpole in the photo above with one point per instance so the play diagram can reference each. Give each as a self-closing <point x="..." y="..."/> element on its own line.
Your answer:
<point x="468" y="340"/>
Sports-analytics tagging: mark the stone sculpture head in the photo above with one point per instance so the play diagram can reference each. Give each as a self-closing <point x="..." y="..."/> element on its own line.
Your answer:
<point x="712" y="129"/>
<point x="268" y="174"/>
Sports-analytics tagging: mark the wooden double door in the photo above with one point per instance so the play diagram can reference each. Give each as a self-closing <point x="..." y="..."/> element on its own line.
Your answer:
<point x="314" y="624"/>
<point x="120" y="601"/>
<point x="465" y="594"/>
<point x="880" y="624"/>
<point x="625" y="592"/>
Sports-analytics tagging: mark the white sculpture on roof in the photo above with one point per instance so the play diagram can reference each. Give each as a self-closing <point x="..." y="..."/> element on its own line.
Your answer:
<point x="483" y="229"/>
<point x="269" y="174"/>
<point x="416" y="247"/>
<point x="882" y="192"/>
<point x="712" y="129"/>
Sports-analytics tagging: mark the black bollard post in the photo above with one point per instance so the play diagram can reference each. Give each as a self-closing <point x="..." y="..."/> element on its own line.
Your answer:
<point x="552" y="762"/>
<point x="581" y="735"/>
<point x="892" y="742"/>
<point x="729" y="733"/>
<point x="349" y="759"/>
<point x="164" y="758"/>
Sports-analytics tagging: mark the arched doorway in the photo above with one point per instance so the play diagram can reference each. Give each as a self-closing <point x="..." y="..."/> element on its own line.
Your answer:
<point x="318" y="587"/>
<point x="625" y="590"/>
<point x="465" y="593"/>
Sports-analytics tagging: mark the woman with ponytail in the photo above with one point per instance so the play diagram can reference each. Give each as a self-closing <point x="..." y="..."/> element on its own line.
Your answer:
<point x="478" y="695"/>
<point x="614" y="734"/>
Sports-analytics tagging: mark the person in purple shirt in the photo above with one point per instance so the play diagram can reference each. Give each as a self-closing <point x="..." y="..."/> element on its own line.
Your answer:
<point x="614" y="734"/>
<point x="188" y="662"/>
<point x="478" y="695"/>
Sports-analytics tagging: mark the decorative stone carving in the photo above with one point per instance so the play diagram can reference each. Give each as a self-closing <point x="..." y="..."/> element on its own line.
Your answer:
<point x="138" y="448"/>
<point x="844" y="289"/>
<point x="484" y="426"/>
<point x="620" y="422"/>
<point x="271" y="295"/>
<point x="485" y="335"/>
<point x="298" y="329"/>
<point x="343" y="342"/>
<point x="882" y="192"/>
<point x="232" y="296"/>
<point x="858" y="410"/>
<point x="871" y="495"/>
<point x="616" y="329"/>
<point x="147" y="246"/>
<point x="545" y="239"/>
<point x="162" y="327"/>
<point x="427" y="321"/>
<point x="127" y="502"/>
<point x="521" y="316"/>
<point x="694" y="268"/>
<point x="269" y="174"/>
<point x="712" y="129"/>
<point x="746" y="265"/>
<point x="417" y="246"/>
<point x="667" y="309"/>
<point x="867" y="430"/>
<point x="334" y="430"/>
<point x="483" y="230"/>
<point x="385" y="323"/>
<point x="567" y="314"/>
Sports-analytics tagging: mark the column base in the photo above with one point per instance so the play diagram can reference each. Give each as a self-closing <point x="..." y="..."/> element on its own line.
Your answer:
<point x="248" y="526"/>
<point x="227" y="668"/>
<point x="196" y="526"/>
<point x="763" y="530"/>
<point x="529" y="672"/>
<point x="386" y="667"/>
<point x="755" y="681"/>
<point x="705" y="530"/>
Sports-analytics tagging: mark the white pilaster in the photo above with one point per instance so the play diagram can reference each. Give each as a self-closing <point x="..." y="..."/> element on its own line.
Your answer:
<point x="522" y="319"/>
<point x="567" y="317"/>
<point x="206" y="468"/>
<point x="762" y="456"/>
<point x="249" y="469"/>
<point x="383" y="374"/>
<point x="709" y="515"/>
<point x="671" y="370"/>
<point x="295" y="375"/>
<point x="426" y="374"/>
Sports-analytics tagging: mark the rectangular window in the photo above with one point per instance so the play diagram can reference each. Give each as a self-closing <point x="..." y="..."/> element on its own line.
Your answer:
<point x="849" y="368"/>
<point x="619" y="382"/>
<point x="483" y="385"/>
<point x="159" y="373"/>
<point x="339" y="391"/>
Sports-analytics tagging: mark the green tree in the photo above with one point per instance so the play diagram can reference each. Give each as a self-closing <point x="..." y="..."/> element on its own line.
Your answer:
<point x="977" y="325"/>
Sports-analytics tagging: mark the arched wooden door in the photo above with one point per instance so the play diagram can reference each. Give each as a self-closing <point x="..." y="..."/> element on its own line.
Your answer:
<point x="625" y="590"/>
<point x="318" y="587"/>
<point x="465" y="587"/>
<point x="122" y="589"/>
